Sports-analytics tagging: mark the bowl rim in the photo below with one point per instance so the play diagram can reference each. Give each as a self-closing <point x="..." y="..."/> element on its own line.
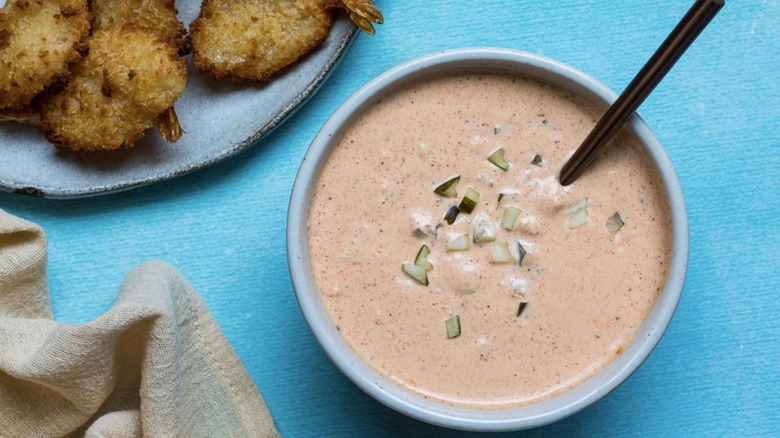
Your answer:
<point x="504" y="419"/>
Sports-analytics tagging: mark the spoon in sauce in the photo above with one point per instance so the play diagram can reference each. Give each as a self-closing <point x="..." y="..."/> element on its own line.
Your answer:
<point x="691" y="25"/>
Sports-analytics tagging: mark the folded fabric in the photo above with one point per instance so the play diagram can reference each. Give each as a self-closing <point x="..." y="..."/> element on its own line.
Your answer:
<point x="156" y="364"/>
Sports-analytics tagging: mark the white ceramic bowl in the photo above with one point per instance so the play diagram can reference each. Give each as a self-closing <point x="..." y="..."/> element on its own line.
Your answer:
<point x="515" y="418"/>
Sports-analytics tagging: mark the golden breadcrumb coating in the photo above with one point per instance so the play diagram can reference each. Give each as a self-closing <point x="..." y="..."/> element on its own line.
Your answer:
<point x="158" y="16"/>
<point x="253" y="39"/>
<point x="38" y="38"/>
<point x="128" y="79"/>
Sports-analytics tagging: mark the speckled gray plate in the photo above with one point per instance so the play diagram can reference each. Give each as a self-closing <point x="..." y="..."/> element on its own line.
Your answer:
<point x="221" y="119"/>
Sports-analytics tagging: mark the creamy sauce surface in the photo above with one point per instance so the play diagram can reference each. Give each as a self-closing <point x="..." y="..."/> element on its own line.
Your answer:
<point x="587" y="289"/>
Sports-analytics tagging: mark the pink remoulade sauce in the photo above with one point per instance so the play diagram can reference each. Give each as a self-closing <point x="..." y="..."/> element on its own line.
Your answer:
<point x="587" y="287"/>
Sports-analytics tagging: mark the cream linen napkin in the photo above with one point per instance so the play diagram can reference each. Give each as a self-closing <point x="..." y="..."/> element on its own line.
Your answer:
<point x="156" y="364"/>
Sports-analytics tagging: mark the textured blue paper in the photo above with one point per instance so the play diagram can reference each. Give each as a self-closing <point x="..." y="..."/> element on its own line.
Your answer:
<point x="716" y="371"/>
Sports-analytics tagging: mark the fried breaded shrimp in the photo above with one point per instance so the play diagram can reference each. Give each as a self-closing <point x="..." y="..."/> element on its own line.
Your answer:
<point x="154" y="16"/>
<point x="128" y="80"/>
<point x="38" y="38"/>
<point x="158" y="16"/>
<point x="253" y="39"/>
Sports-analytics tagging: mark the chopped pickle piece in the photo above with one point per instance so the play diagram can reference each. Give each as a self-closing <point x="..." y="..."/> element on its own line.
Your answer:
<point x="580" y="205"/>
<point x="497" y="158"/>
<point x="460" y="243"/>
<point x="499" y="253"/>
<point x="578" y="214"/>
<point x="507" y="196"/>
<point x="537" y="160"/>
<point x="421" y="232"/>
<point x="422" y="258"/>
<point x="521" y="307"/>
<point x="448" y="188"/>
<point x="453" y="326"/>
<point x="509" y="219"/>
<point x="469" y="201"/>
<point x="484" y="230"/>
<point x="451" y="215"/>
<point x="615" y="223"/>
<point x="416" y="272"/>
<point x="578" y="219"/>
<point x="520" y="253"/>
<point x="426" y="231"/>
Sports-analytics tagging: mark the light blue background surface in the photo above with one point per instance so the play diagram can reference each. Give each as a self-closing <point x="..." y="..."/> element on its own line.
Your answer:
<point x="715" y="372"/>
